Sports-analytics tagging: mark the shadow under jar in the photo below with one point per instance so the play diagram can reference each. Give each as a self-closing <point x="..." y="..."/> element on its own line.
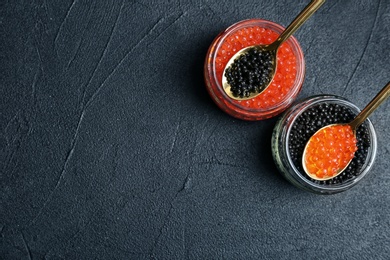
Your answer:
<point x="283" y="89"/>
<point x="300" y="122"/>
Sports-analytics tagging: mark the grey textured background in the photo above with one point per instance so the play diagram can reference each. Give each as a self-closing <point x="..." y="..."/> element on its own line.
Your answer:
<point x="110" y="147"/>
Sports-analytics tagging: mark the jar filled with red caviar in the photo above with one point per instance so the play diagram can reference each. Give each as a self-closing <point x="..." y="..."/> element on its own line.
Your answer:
<point x="300" y="122"/>
<point x="284" y="87"/>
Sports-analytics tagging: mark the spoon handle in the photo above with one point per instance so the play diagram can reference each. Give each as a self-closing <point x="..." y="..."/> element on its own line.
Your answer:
<point x="374" y="104"/>
<point x="298" y="21"/>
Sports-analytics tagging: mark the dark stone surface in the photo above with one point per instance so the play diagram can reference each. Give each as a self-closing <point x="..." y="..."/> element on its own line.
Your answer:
<point x="110" y="147"/>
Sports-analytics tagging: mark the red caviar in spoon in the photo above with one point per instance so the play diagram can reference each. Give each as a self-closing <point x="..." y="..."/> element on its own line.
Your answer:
<point x="329" y="151"/>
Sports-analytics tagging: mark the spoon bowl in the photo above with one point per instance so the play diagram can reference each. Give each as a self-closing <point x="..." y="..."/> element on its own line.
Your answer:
<point x="325" y="152"/>
<point x="247" y="90"/>
<point x="353" y="125"/>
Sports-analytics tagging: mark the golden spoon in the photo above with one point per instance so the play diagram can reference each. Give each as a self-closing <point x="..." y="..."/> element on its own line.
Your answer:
<point x="354" y="124"/>
<point x="270" y="50"/>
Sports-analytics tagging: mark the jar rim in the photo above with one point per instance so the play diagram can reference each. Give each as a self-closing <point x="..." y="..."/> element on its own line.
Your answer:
<point x="216" y="88"/>
<point x="293" y="43"/>
<point x="370" y="157"/>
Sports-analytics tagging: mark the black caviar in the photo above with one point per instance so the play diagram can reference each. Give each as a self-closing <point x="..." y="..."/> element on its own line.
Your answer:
<point x="317" y="117"/>
<point x="250" y="73"/>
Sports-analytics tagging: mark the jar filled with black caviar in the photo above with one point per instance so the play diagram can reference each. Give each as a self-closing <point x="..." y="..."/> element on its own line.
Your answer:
<point x="300" y="122"/>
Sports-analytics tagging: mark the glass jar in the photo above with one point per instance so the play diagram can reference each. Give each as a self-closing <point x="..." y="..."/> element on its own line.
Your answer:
<point x="285" y="86"/>
<point x="281" y="146"/>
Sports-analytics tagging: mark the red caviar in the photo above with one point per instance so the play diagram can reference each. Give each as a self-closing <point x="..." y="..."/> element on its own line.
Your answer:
<point x="329" y="151"/>
<point x="283" y="89"/>
<point x="285" y="71"/>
